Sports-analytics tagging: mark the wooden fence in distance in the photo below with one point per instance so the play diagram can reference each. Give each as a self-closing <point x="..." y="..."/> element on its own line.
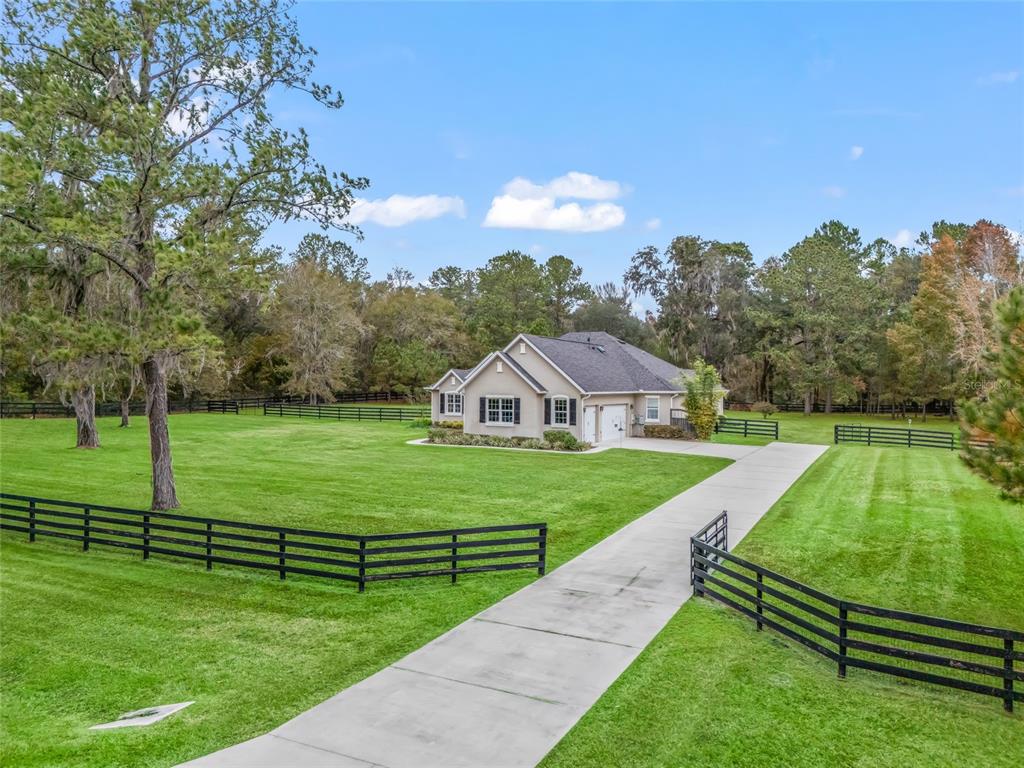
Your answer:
<point x="346" y="412"/>
<point x="926" y="438"/>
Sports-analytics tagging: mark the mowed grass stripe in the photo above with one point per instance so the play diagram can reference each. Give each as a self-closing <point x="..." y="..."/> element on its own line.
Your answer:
<point x="884" y="526"/>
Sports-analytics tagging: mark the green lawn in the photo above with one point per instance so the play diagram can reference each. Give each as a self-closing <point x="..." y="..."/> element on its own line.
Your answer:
<point x="85" y="637"/>
<point x="818" y="427"/>
<point x="902" y="528"/>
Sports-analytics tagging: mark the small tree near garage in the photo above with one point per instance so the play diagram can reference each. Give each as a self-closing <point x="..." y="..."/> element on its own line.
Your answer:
<point x="703" y="391"/>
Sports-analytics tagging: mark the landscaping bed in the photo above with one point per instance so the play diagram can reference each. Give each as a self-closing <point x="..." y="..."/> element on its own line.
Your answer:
<point x="554" y="440"/>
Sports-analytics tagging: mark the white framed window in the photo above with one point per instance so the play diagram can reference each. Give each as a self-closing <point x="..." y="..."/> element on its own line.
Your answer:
<point x="499" y="368"/>
<point x="500" y="411"/>
<point x="453" y="403"/>
<point x="560" y="410"/>
<point x="653" y="409"/>
<point x="522" y="347"/>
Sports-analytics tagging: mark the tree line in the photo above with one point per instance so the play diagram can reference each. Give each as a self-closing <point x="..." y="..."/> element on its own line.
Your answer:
<point x="141" y="167"/>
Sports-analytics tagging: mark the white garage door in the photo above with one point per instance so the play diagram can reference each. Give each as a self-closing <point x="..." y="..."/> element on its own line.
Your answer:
<point x="613" y="422"/>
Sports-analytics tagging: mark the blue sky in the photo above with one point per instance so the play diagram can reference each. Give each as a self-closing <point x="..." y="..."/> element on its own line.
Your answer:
<point x="592" y="130"/>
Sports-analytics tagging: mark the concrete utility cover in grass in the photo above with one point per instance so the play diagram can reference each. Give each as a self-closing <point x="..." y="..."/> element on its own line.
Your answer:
<point x="146" y="716"/>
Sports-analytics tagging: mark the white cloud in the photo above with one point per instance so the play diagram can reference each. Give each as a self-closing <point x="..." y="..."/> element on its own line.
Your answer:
<point x="654" y="223"/>
<point x="902" y="239"/>
<point x="509" y="212"/>
<point x="999" y="78"/>
<point x="856" y="152"/>
<point x="211" y="96"/>
<point x="833" y="191"/>
<point x="573" y="185"/>
<point x="399" y="210"/>
<point x="524" y="204"/>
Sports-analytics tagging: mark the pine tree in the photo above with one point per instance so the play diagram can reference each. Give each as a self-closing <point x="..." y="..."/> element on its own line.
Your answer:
<point x="999" y="415"/>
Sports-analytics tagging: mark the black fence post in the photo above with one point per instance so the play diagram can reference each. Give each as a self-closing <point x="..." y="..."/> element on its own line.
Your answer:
<point x="85" y="531"/>
<point x="1008" y="674"/>
<point x="145" y="537"/>
<point x="760" y="609"/>
<point x="455" y="553"/>
<point x="835" y="434"/>
<point x="543" y="550"/>
<point x="31" y="521"/>
<point x="362" y="565"/>
<point x="282" y="554"/>
<point x="693" y="566"/>
<point x="842" y="639"/>
<point x="209" y="546"/>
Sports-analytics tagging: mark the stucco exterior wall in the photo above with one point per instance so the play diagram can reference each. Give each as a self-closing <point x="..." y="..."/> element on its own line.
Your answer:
<point x="490" y="383"/>
<point x="450" y="384"/>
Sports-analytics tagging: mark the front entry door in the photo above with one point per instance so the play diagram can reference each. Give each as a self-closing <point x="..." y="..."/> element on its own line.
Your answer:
<point x="590" y="424"/>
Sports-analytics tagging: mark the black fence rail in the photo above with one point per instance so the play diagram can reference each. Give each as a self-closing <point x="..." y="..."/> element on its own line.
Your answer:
<point x="33" y="410"/>
<point x="987" y="661"/>
<point x="927" y="438"/>
<point x="250" y="402"/>
<point x="346" y="412"/>
<point x="232" y="404"/>
<point x="748" y="427"/>
<point x="358" y="558"/>
<point x="714" y="534"/>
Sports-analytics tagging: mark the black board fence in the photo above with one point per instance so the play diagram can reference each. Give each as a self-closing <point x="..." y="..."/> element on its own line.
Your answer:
<point x="728" y="425"/>
<point x="33" y="409"/>
<point x="346" y="412"/>
<point x="927" y="438"/>
<point x="988" y="661"/>
<point x="748" y="427"/>
<point x="357" y="558"/>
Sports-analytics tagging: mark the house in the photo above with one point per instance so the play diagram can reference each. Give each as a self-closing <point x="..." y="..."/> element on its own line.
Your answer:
<point x="589" y="383"/>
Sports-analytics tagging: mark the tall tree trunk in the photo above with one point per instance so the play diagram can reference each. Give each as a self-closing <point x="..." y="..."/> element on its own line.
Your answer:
<point x="84" y="399"/>
<point x="808" y="401"/>
<point x="125" y="411"/>
<point x="828" y="399"/>
<point x="155" y="377"/>
<point x="924" y="411"/>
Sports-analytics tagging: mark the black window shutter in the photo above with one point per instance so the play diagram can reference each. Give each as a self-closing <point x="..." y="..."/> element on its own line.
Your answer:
<point x="441" y="409"/>
<point x="483" y="410"/>
<point x="515" y="411"/>
<point x="572" y="412"/>
<point x="547" y="411"/>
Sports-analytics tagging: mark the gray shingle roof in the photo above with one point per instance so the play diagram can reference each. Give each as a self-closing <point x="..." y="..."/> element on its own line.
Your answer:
<point x="599" y="362"/>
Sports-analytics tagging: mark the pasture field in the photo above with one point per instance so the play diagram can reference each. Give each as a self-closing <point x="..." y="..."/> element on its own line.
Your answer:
<point x="895" y="527"/>
<point x="88" y="636"/>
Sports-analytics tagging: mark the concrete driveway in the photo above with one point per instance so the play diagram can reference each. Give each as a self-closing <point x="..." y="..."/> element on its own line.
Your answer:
<point x="501" y="689"/>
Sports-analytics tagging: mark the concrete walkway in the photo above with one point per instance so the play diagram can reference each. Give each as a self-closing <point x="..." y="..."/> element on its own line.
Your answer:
<point x="501" y="689"/>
